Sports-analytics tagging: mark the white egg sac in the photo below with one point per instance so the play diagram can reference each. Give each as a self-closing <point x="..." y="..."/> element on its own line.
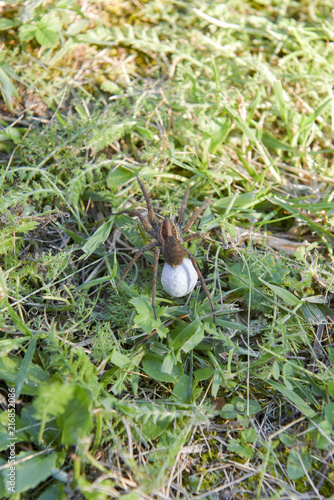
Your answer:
<point x="179" y="281"/>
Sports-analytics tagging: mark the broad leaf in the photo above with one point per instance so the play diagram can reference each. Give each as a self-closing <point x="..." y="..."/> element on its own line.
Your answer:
<point x="70" y="404"/>
<point x="32" y="468"/>
<point x="168" y="363"/>
<point x="6" y="24"/>
<point x="329" y="412"/>
<point x="152" y="366"/>
<point x="46" y="37"/>
<point x="118" y="177"/>
<point x="203" y="373"/>
<point x="181" y="389"/>
<point x="145" y="318"/>
<point x="299" y="460"/>
<point x="118" y="359"/>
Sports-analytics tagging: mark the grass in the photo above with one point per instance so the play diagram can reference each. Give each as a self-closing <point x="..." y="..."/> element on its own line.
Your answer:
<point x="235" y="100"/>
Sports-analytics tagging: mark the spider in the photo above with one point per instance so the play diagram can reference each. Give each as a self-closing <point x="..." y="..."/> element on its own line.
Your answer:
<point x="168" y="240"/>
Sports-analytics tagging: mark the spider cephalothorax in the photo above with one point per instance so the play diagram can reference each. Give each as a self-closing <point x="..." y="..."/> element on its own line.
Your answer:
<point x="168" y="239"/>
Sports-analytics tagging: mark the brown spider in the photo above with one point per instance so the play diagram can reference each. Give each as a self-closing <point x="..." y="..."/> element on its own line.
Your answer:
<point x="168" y="239"/>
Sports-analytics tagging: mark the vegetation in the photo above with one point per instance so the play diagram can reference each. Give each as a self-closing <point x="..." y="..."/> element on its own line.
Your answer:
<point x="235" y="100"/>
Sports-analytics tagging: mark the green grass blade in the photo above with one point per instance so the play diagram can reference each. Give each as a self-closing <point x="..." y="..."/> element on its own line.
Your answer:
<point x="293" y="397"/>
<point x="24" y="368"/>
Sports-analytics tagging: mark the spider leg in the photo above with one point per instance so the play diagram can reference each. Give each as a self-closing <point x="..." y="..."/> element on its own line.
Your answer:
<point x="183" y="207"/>
<point x="194" y="263"/>
<point x="136" y="213"/>
<point x="195" y="215"/>
<point x="155" y="274"/>
<point x="138" y="254"/>
<point x="194" y="236"/>
<point x="151" y="216"/>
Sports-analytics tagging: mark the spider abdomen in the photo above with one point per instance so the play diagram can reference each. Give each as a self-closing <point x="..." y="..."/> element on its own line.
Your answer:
<point x="172" y="251"/>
